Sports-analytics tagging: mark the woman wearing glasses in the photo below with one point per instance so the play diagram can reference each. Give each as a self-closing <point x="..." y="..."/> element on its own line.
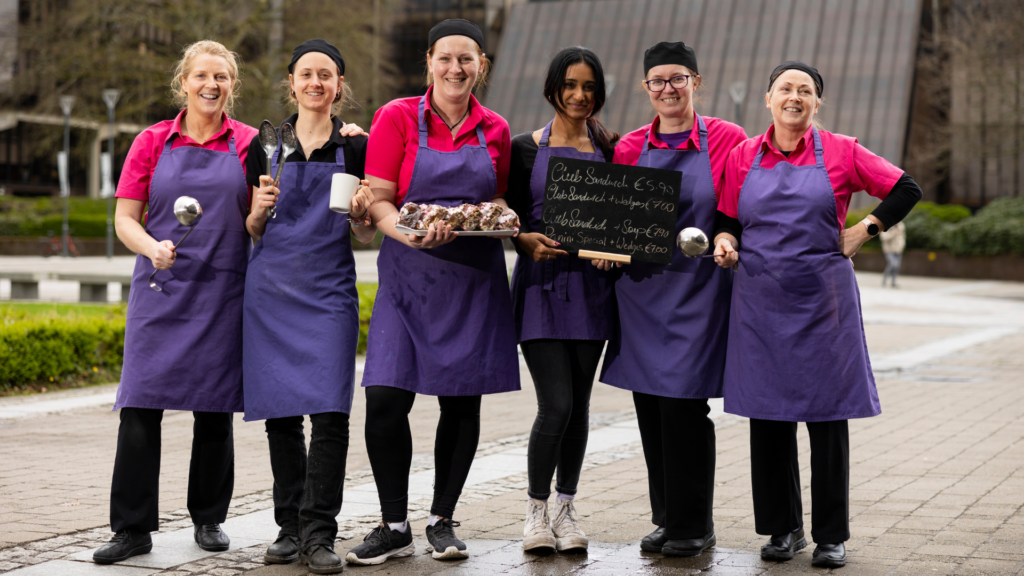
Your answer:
<point x="796" y="341"/>
<point x="668" y="346"/>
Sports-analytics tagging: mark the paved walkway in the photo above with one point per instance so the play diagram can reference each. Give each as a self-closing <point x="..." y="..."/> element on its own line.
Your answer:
<point x="937" y="484"/>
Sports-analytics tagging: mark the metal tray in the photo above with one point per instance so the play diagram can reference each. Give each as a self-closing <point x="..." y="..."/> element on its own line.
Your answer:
<point x="492" y="233"/>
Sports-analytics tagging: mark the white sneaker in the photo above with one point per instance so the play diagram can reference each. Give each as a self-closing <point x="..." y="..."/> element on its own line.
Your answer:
<point x="537" y="535"/>
<point x="568" y="536"/>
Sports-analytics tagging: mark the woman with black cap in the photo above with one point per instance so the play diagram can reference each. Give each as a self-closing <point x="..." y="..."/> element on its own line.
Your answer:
<point x="301" y="312"/>
<point x="796" y="350"/>
<point x="442" y="322"/>
<point x="563" y="307"/>
<point x="668" y="344"/>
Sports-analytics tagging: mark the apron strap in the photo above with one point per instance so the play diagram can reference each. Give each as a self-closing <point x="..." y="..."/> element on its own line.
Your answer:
<point x="231" y="145"/>
<point x="339" y="156"/>
<point x="545" y="135"/>
<point x="819" y="155"/>
<point x="422" y="122"/>
<point x="703" y="134"/>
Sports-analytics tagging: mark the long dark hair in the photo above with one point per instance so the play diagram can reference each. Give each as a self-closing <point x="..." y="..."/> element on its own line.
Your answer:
<point x="603" y="138"/>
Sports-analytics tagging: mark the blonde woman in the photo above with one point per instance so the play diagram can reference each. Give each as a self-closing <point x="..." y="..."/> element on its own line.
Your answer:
<point x="183" y="344"/>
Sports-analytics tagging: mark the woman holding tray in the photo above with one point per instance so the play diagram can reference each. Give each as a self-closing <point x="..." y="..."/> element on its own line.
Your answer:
<point x="796" y="348"/>
<point x="563" y="307"/>
<point x="442" y="323"/>
<point x="183" y="344"/>
<point x="301" y="315"/>
<point x="668" y="346"/>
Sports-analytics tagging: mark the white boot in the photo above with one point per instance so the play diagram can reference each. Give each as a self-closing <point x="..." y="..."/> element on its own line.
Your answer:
<point x="567" y="532"/>
<point x="537" y="536"/>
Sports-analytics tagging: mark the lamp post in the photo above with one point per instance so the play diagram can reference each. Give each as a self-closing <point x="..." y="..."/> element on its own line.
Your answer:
<point x="66" y="104"/>
<point x="738" y="91"/>
<point x="110" y="96"/>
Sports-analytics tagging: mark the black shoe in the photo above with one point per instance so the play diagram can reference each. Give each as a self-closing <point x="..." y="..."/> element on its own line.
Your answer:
<point x="781" y="548"/>
<point x="380" y="544"/>
<point x="211" y="538"/>
<point x="688" y="547"/>
<point x="122" y="546"/>
<point x="443" y="541"/>
<point x="284" y="550"/>
<point x="321" y="559"/>
<point x="829" y="555"/>
<point x="654" y="541"/>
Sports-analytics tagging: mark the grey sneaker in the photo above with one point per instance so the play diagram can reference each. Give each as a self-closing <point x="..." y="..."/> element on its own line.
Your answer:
<point x="537" y="534"/>
<point x="568" y="536"/>
<point x="443" y="542"/>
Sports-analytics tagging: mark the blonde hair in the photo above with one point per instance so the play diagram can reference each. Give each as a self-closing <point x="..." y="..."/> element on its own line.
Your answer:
<point x="184" y="67"/>
<point x="481" y="78"/>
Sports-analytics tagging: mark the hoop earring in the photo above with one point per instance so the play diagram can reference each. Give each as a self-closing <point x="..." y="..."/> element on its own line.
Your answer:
<point x="337" y="98"/>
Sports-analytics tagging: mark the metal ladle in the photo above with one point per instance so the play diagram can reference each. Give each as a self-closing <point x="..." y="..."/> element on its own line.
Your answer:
<point x="268" y="140"/>
<point x="693" y="243"/>
<point x="289" y="144"/>
<point x="188" y="212"/>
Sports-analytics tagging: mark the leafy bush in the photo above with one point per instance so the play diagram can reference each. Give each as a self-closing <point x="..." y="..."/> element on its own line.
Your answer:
<point x="49" y="345"/>
<point x="36" y="216"/>
<point x="367" y="297"/>
<point x="996" y="229"/>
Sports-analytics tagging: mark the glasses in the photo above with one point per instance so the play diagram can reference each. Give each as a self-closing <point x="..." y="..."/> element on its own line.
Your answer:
<point x="659" y="85"/>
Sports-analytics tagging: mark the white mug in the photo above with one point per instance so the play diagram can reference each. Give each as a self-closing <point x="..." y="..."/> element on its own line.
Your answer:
<point x="343" y="188"/>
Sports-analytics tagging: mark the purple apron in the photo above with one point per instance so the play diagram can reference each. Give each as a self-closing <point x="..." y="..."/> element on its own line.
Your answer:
<point x="797" y="351"/>
<point x="672" y="319"/>
<point x="301" y="316"/>
<point x="442" y="322"/>
<point x="563" y="298"/>
<point x="183" y="346"/>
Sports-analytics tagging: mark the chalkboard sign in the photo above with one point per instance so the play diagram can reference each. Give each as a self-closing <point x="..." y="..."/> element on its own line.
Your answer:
<point x="611" y="208"/>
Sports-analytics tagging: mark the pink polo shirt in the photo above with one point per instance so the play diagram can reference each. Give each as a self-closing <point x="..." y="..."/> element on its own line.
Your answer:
<point x="394" y="140"/>
<point x="149" y="145"/>
<point x="722" y="137"/>
<point x="851" y="168"/>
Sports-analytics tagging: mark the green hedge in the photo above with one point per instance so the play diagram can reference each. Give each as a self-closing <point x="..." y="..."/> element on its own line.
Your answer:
<point x="995" y="229"/>
<point x="87" y="218"/>
<point x="43" y="341"/>
<point x="36" y="347"/>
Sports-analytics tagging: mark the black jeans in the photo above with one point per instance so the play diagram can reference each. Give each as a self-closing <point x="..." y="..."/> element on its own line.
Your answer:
<point x="679" y="447"/>
<point x="308" y="490"/>
<point x="775" y="475"/>
<point x="135" y="488"/>
<point x="389" y="446"/>
<point x="563" y="376"/>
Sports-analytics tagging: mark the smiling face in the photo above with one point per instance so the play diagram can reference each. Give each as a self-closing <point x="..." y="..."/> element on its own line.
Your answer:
<point x="577" y="91"/>
<point x="793" y="100"/>
<point x="672" y="102"/>
<point x="315" y="82"/>
<point x="454" y="66"/>
<point x="208" y="85"/>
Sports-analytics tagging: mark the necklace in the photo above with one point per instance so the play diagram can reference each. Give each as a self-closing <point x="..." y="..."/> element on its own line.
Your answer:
<point x="452" y="127"/>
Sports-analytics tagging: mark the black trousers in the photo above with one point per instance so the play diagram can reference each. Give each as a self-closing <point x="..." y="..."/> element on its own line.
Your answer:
<point x="775" y="474"/>
<point x="134" y="491"/>
<point x="308" y="489"/>
<point x="389" y="447"/>
<point x="679" y="447"/>
<point x="563" y="376"/>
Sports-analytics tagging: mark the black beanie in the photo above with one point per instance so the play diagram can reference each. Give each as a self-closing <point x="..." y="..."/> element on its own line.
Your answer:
<point x="670" y="53"/>
<point x="456" y="27"/>
<point x="321" y="46"/>
<point x="798" y="65"/>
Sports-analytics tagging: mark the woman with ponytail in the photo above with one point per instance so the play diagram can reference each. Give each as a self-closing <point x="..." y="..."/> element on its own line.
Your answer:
<point x="563" y="306"/>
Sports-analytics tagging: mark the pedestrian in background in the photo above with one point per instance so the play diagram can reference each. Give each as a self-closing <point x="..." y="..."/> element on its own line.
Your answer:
<point x="563" y="306"/>
<point x="301" y="313"/>
<point x="183" y="344"/>
<point x="894" y="241"/>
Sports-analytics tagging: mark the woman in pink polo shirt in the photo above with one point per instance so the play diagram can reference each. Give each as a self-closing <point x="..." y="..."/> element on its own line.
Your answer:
<point x="796" y="349"/>
<point x="442" y="322"/>
<point x="183" y="344"/>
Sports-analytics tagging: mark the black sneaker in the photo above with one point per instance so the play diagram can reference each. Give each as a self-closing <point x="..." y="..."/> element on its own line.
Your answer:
<point x="123" y="545"/>
<point x="443" y="542"/>
<point x="380" y="544"/>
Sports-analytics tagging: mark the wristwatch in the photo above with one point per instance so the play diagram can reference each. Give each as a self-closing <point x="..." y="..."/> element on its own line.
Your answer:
<point x="873" y="229"/>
